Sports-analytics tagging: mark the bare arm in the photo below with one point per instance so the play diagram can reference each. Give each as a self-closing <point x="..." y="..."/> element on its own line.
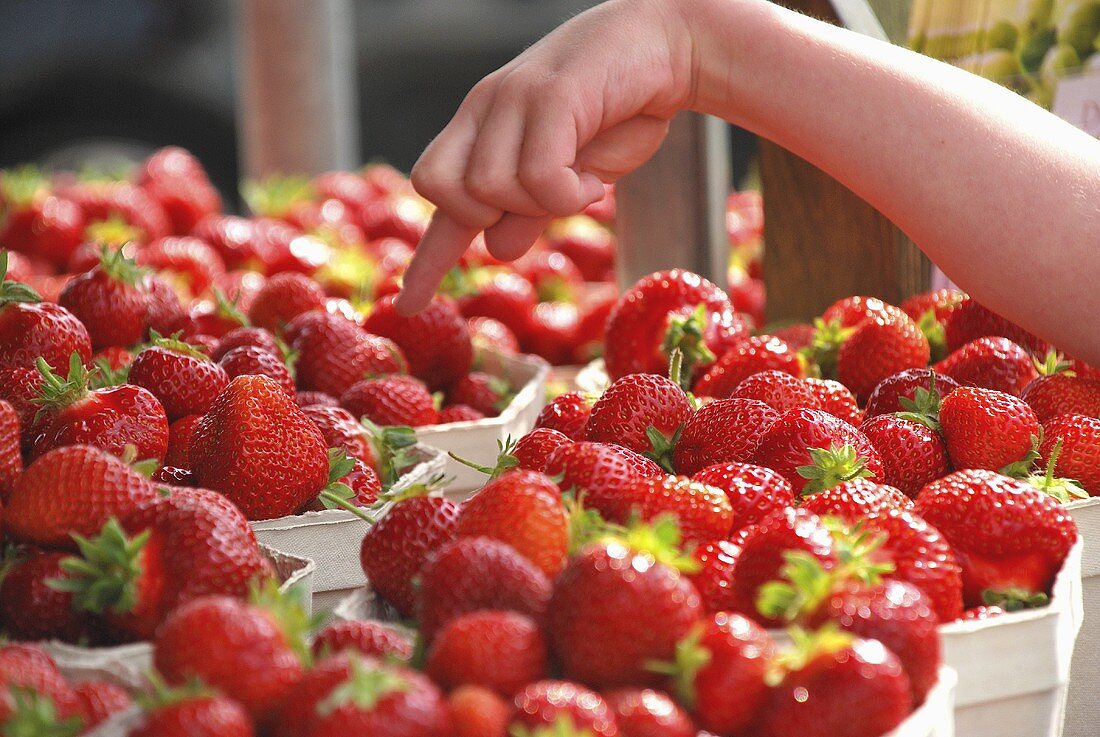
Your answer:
<point x="994" y="189"/>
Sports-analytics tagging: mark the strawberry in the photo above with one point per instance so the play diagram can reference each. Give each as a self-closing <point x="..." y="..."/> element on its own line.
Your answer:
<point x="751" y="356"/>
<point x="307" y="398"/>
<point x="100" y="700"/>
<point x="702" y="512"/>
<point x="173" y="476"/>
<point x="246" y="336"/>
<point x="282" y="298"/>
<point x="31" y="609"/>
<point x="754" y="491"/>
<point x="459" y="413"/>
<point x="111" y="418"/>
<point x="75" y="488"/>
<point x="251" y="652"/>
<point x="719" y="672"/>
<point x="37" y="221"/>
<point x="930" y="311"/>
<point x="180" y="434"/>
<point x="103" y="200"/>
<point x="436" y="342"/>
<point x="503" y="651"/>
<point x="640" y="574"/>
<point x="195" y="713"/>
<point x="165" y="311"/>
<point x="970" y="320"/>
<point x="567" y="413"/>
<point x="393" y="400"/>
<point x="667" y="310"/>
<point x="252" y="361"/>
<point x="991" y="363"/>
<point x="981" y="613"/>
<point x="487" y="394"/>
<point x="553" y="275"/>
<point x="588" y="336"/>
<point x="797" y="336"/>
<point x="1055" y="394"/>
<point x="778" y="390"/>
<point x="364" y="637"/>
<point x="478" y="712"/>
<point x="878" y="348"/>
<point x="11" y="462"/>
<point x="851" y="500"/>
<point x="598" y="473"/>
<point x="1009" y="537"/>
<point x="31" y="329"/>
<point x="487" y="333"/>
<point x="722" y="431"/>
<point x="110" y="301"/>
<point x="1077" y="456"/>
<point x="643" y="712"/>
<point x="851" y="312"/>
<point x="987" y="429"/>
<point x="714" y="577"/>
<point x="523" y="509"/>
<point x="641" y="412"/>
<point x="334" y="353"/>
<point x="815" y="450"/>
<point x="591" y="247"/>
<point x="397" y="215"/>
<point x="233" y="237"/>
<point x="836" y="399"/>
<point x="552" y="332"/>
<point x="912" y="453"/>
<point x="396" y="547"/>
<point x="506" y="297"/>
<point x="182" y="377"/>
<point x="564" y="706"/>
<point x="341" y="430"/>
<point x="256" y="447"/>
<point x="840" y="321"/>
<point x="29" y="675"/>
<point x="533" y="450"/>
<point x="176" y="180"/>
<point x="894" y="392"/>
<point x="19" y="387"/>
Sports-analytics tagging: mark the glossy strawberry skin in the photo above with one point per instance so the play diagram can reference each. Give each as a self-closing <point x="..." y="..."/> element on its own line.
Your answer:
<point x="459" y="413"/>
<point x="991" y="363"/>
<point x="552" y="332"/>
<point x="114" y="312"/>
<point x="249" y="360"/>
<point x="543" y="703"/>
<point x="282" y="298"/>
<point x="836" y="399"/>
<point x="599" y="471"/>
<point x="341" y="430"/>
<point x="393" y="400"/>
<point x="985" y="428"/>
<point x="940" y="301"/>
<point x="730" y="689"/>
<point x="886" y="397"/>
<point x="334" y="353"/>
<point x="436" y="342"/>
<point x="373" y="639"/>
<point x="180" y="434"/>
<point x="207" y="716"/>
<point x="755" y="492"/>
<point x="186" y="260"/>
<point x="589" y="629"/>
<point x="722" y="431"/>
<point x="648" y="713"/>
<point x="30" y="609"/>
<point x="703" y="512"/>
<point x="476" y="390"/>
<point x="32" y="329"/>
<point x="174" y="178"/>
<point x="486" y="332"/>
<point x="110" y="419"/>
<point x="184" y="384"/>
<point x="714" y="579"/>
<point x="753" y="355"/>
<point x="508" y="297"/>
<point x="853" y="311"/>
<point x="567" y="413"/>
<point x="503" y="651"/>
<point x="778" y="390"/>
<point x="533" y="449"/>
<point x="970" y="320"/>
<point x="11" y="459"/>
<point x="1079" y="457"/>
<point x="1058" y="394"/>
<point x="19" y="387"/>
<point x="243" y="336"/>
<point x="852" y="500"/>
<point x="50" y="227"/>
<point x="912" y="453"/>
<point x="633" y="404"/>
<point x="880" y="348"/>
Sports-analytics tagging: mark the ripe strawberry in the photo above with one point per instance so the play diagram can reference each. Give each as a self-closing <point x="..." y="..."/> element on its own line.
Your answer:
<point x="852" y="500"/>
<point x="396" y="547"/>
<point x="546" y="704"/>
<point x="552" y="332"/>
<point x="489" y="395"/>
<point x="853" y="311"/>
<point x="648" y="713"/>
<point x="76" y="488"/>
<point x="815" y="450"/>
<point x="173" y="476"/>
<point x="436" y="342"/>
<point x="195" y="714"/>
<point x="588" y="633"/>
<point x="110" y="361"/>
<point x="588" y="337"/>
<point x="341" y="430"/>
<point x="894" y="392"/>
<point x="987" y="429"/>
<point x="475" y="573"/>
<point x="256" y="447"/>
<point x="713" y="578"/>
<point x="778" y="390"/>
<point x="233" y="237"/>
<point x="32" y="610"/>
<point x="458" y="413"/>
<point x="969" y="321"/>
<point x="641" y="412"/>
<point x="29" y="675"/>
<point x="307" y="398"/>
<point x="1009" y="537"/>
<point x="31" y="329"/>
<point x="374" y="639"/>
<point x="525" y="510"/>
<point x="334" y="353"/>
<point x="282" y="298"/>
<point x="1056" y="394"/>
<point x="253" y="653"/>
<point x="553" y="275"/>
<point x="110" y="301"/>
<point x="176" y="180"/>
<point x="506" y="297"/>
<point x="180" y="434"/>
<point x="582" y="239"/>
<point x="722" y="431"/>
<point x="37" y="221"/>
<point x="11" y="461"/>
<point x="567" y="413"/>
<point x="182" y="377"/>
<point x="165" y="312"/>
<point x="719" y="672"/>
<point x="981" y="613"/>
<point x="19" y="387"/>
<point x="703" y="512"/>
<point x="836" y="399"/>
<point x="991" y="363"/>
<point x="185" y="262"/>
<point x="490" y="334"/>
<point x="245" y="336"/>
<point x="100" y="700"/>
<point x="500" y="650"/>
<point x="533" y="450"/>
<point x="393" y="400"/>
<point x="598" y="473"/>
<point x="478" y="712"/>
<point x="879" y="348"/>
<point x="840" y="320"/>
<point x="941" y="302"/>
<point x="912" y="453"/>
<point x="754" y="491"/>
<point x="103" y="200"/>
<point x="1078" y="454"/>
<point x="252" y="361"/>
<point x="666" y="310"/>
<point x="750" y="356"/>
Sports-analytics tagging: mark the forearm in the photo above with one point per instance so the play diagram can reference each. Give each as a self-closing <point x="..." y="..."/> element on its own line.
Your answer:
<point x="1002" y="195"/>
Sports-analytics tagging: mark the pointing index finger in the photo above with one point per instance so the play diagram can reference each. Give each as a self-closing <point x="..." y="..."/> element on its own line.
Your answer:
<point x="443" y="244"/>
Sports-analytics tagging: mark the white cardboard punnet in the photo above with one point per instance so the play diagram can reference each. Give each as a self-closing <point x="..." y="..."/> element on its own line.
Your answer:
<point x="1083" y="704"/>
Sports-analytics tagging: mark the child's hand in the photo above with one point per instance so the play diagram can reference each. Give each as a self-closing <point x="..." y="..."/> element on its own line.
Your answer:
<point x="536" y="139"/>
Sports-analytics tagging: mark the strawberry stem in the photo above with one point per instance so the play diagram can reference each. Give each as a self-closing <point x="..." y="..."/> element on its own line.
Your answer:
<point x="105" y="575"/>
<point x="14" y="291"/>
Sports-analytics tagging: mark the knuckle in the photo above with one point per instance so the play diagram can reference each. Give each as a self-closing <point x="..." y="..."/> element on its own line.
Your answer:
<point x="486" y="186"/>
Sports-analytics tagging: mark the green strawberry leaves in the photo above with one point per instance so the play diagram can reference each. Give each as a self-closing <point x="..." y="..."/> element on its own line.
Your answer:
<point x="365" y="687"/>
<point x="687" y="335"/>
<point x="831" y="466"/>
<point x="104" y="577"/>
<point x="14" y="291"/>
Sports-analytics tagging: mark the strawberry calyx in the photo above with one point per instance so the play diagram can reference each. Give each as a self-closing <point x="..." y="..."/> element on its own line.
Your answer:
<point x="104" y="376"/>
<point x="505" y="460"/>
<point x="924" y="407"/>
<point x="118" y="267"/>
<point x="104" y="577"/>
<point x="1061" y="489"/>
<point x="1053" y="363"/>
<point x="662" y="447"/>
<point x="14" y="291"/>
<point x="1021" y="469"/>
<point x="687" y="333"/>
<point x="35" y="715"/>
<point x="57" y="393"/>
<point x="563" y="726"/>
<point x="227" y="308"/>
<point x="831" y="466"/>
<point x="160" y="695"/>
<point x="586" y="525"/>
<point x="1015" y="599"/>
<point x="287" y="610"/>
<point x="689" y="658"/>
<point x="145" y="466"/>
<point x="364" y="688"/>
<point x="825" y="346"/>
<point x="934" y="332"/>
<point x="396" y="496"/>
<point x="659" y="539"/>
<point x="393" y="447"/>
<point x="276" y="196"/>
<point x="19" y="188"/>
<point x="114" y="232"/>
<point x="176" y="344"/>
<point x="807" y="647"/>
<point x="336" y="494"/>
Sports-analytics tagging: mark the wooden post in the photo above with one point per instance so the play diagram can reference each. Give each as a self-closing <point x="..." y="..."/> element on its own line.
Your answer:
<point x="822" y="242"/>
<point x="672" y="211"/>
<point x="297" y="111"/>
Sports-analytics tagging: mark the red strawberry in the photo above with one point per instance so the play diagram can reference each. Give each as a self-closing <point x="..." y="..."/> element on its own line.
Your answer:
<point x="523" y="509"/>
<point x="37" y="222"/>
<point x="11" y="462"/>
<point x="598" y="473"/>
<point x="256" y="447"/>
<point x="851" y="312"/>
<point x="436" y="342"/>
<point x="754" y="491"/>
<point x="31" y="329"/>
<point x="751" y="356"/>
<point x="714" y="577"/>
<point x="778" y="390"/>
<point x="487" y="394"/>
<point x="341" y="430"/>
<point x="588" y="337"/>
<point x="665" y="310"/>
<point x="182" y="377"/>
<point x="30" y="676"/>
<point x="702" y="512"/>
<point x="197" y="714"/>
<point x="180" y="434"/>
<point x="374" y="639"/>
<point x="478" y="712"/>
<point x="1079" y="453"/>
<point x="282" y="298"/>
<point x="19" y="387"/>
<point x="488" y="333"/>
<point x="553" y="275"/>
<point x="641" y="412"/>
<point x="988" y="429"/>
<point x="458" y="413"/>
<point x="836" y="399"/>
<point x="234" y="238"/>
<point x="969" y="321"/>
<point x="185" y="262"/>
<point x="393" y="400"/>
<point x="1056" y="394"/>
<point x="507" y="297"/>
<point x="589" y="632"/>
<point x="992" y="363"/>
<point x="722" y="431"/>
<point x="500" y="650"/>
<point x="99" y="700"/>
<point x="31" y="609"/>
<point x="396" y="547"/>
<point x="165" y="312"/>
<point x="549" y="703"/>
<point x="567" y="413"/>
<point x="307" y="398"/>
<point x="895" y="392"/>
<point x="879" y="348"/>
<point x="175" y="179"/>
<point x="981" y="613"/>
<point x="334" y="353"/>
<point x="590" y="246"/>
<point x="552" y="332"/>
<point x="1009" y="537"/>
<point x="852" y="500"/>
<point x="252" y="361"/>
<point x="174" y="476"/>
<point x="815" y="450"/>
<point x="797" y="336"/>
<point x="912" y="453"/>
<point x="941" y="302"/>
<point x="533" y="450"/>
<point x="648" y="713"/>
<point x="103" y="200"/>
<point x="110" y="301"/>
<point x="76" y="488"/>
<point x="244" y="336"/>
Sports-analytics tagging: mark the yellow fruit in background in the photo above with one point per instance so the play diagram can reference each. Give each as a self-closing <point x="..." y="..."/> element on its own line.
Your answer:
<point x="1002" y="35"/>
<point x="1079" y="25"/>
<point x="1033" y="48"/>
<point x="999" y="65"/>
<point x="1057" y="63"/>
